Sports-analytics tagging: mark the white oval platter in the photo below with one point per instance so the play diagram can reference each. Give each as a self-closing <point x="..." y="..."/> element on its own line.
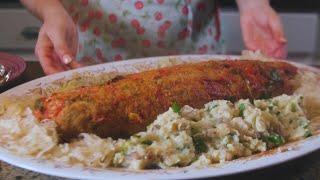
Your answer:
<point x="242" y="165"/>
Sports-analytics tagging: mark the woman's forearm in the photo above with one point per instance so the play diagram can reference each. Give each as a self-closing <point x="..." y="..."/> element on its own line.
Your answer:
<point x="44" y="9"/>
<point x="248" y="4"/>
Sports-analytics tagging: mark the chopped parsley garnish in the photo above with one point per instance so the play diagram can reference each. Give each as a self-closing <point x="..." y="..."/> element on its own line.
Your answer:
<point x="147" y="142"/>
<point x="242" y="107"/>
<point x="308" y="133"/>
<point x="124" y="148"/>
<point x="235" y="71"/>
<point x="125" y="87"/>
<point x="214" y="106"/>
<point x="293" y="107"/>
<point x="274" y="139"/>
<point x="199" y="144"/>
<point x="136" y="136"/>
<point x="195" y="129"/>
<point x="304" y="124"/>
<point x="175" y="107"/>
<point x="39" y="105"/>
<point x="275" y="76"/>
<point x="231" y="98"/>
<point x="265" y="95"/>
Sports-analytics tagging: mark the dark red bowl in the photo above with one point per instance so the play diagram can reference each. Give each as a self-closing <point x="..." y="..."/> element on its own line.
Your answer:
<point x="12" y="63"/>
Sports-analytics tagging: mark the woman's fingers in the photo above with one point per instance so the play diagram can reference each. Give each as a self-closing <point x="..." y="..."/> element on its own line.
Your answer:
<point x="61" y="48"/>
<point x="57" y="44"/>
<point x="247" y="32"/>
<point x="75" y="64"/>
<point x="57" y="61"/>
<point x="65" y="45"/>
<point x="56" y="49"/>
<point x="254" y="35"/>
<point x="263" y="34"/>
<point x="278" y="34"/>
<point x="54" y="59"/>
<point x="45" y="53"/>
<point x="281" y="52"/>
<point x="276" y="28"/>
<point x="65" y="41"/>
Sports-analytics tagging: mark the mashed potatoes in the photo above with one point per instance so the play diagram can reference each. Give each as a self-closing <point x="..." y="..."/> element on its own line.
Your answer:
<point x="221" y="131"/>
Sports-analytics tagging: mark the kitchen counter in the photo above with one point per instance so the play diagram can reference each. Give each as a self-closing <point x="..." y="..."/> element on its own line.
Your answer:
<point x="304" y="168"/>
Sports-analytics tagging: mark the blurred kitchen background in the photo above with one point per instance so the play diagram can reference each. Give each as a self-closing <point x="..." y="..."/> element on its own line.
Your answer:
<point x="300" y="20"/>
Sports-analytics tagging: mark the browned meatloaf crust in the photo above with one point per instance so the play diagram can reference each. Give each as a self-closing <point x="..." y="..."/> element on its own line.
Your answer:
<point x="129" y="103"/>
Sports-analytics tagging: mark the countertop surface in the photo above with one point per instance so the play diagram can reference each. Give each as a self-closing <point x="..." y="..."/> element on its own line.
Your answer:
<point x="303" y="168"/>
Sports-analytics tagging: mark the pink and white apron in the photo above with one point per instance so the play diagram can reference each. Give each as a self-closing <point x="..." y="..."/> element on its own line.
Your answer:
<point x="112" y="30"/>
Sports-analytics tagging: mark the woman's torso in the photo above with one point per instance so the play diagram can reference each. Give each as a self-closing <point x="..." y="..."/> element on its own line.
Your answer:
<point x="121" y="29"/>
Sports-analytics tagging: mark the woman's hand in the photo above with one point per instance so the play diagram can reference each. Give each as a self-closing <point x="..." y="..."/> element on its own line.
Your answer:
<point x="261" y="28"/>
<point x="57" y="43"/>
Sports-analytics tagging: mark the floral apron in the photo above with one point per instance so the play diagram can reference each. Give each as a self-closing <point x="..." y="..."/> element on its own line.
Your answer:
<point x="112" y="30"/>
